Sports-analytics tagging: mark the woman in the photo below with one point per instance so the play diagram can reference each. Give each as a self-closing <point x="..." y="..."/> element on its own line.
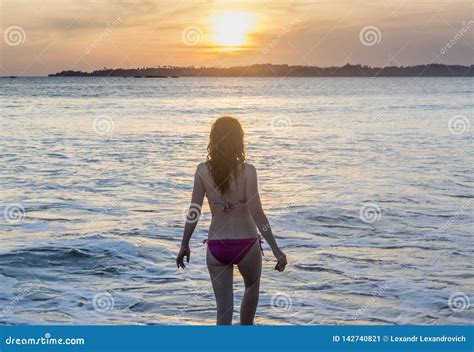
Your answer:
<point x="230" y="185"/>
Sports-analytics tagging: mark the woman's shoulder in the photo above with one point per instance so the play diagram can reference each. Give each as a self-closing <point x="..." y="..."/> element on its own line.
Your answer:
<point x="201" y="169"/>
<point x="249" y="173"/>
<point x="249" y="168"/>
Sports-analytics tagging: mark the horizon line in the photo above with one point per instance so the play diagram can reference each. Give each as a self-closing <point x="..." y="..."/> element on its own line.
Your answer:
<point x="170" y="67"/>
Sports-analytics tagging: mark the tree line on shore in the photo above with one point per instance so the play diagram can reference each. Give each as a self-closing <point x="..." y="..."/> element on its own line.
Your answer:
<point x="271" y="70"/>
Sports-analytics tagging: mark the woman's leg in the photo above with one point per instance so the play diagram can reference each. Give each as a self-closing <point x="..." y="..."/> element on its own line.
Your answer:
<point x="222" y="283"/>
<point x="251" y="268"/>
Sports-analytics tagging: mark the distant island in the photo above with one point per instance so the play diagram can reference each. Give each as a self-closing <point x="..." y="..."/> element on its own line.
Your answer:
<point x="270" y="70"/>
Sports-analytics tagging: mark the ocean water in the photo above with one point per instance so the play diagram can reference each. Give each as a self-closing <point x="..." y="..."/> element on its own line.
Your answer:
<point x="368" y="184"/>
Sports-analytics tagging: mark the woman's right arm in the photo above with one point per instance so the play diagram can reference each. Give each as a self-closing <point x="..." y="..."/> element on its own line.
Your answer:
<point x="259" y="217"/>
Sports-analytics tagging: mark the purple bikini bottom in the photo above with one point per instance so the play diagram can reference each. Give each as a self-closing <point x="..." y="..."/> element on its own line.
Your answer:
<point x="231" y="251"/>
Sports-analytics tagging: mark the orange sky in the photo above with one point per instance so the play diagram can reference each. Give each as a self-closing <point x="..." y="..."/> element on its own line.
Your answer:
<point x="46" y="36"/>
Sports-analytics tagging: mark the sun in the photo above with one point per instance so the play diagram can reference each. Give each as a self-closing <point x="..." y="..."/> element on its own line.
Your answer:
<point x="231" y="28"/>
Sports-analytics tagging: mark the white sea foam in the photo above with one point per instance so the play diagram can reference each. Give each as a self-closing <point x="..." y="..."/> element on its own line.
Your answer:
<point x="103" y="213"/>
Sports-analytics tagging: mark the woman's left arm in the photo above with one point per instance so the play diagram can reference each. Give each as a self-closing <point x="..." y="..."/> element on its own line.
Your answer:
<point x="192" y="218"/>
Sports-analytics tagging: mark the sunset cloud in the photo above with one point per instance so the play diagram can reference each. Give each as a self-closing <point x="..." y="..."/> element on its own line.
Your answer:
<point x="86" y="35"/>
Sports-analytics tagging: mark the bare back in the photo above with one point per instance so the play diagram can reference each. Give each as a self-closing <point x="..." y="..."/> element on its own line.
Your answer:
<point x="236" y="216"/>
<point x="233" y="223"/>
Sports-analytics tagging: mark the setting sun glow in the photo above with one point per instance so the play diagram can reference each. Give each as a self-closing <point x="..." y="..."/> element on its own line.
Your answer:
<point x="231" y="28"/>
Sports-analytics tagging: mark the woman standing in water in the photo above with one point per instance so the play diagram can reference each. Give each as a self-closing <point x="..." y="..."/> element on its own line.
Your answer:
<point x="230" y="185"/>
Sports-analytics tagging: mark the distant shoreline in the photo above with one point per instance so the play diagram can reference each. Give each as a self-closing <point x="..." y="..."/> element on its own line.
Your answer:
<point x="268" y="70"/>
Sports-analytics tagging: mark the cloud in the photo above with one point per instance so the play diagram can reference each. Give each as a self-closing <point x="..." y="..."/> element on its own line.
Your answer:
<point x="58" y="31"/>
